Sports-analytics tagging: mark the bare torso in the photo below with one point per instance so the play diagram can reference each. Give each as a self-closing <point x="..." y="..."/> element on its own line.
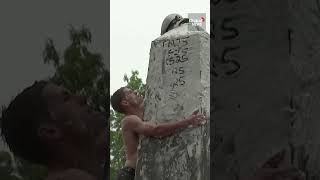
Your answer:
<point x="131" y="141"/>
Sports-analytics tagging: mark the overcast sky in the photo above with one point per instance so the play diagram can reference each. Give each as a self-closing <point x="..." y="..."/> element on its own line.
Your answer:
<point x="24" y="28"/>
<point x="134" y="24"/>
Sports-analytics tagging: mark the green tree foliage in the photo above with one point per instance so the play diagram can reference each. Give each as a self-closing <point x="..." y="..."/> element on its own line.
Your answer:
<point x="81" y="71"/>
<point x="134" y="82"/>
<point x="117" y="154"/>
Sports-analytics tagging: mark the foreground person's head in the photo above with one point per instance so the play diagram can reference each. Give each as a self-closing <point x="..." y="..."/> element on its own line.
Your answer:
<point x="45" y="118"/>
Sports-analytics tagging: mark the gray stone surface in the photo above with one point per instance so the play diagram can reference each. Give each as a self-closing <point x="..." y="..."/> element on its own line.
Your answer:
<point x="253" y="84"/>
<point x="177" y="84"/>
<point x="266" y="88"/>
<point x="305" y="55"/>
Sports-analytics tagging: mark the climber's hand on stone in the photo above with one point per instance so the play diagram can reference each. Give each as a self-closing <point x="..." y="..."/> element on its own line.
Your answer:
<point x="196" y="119"/>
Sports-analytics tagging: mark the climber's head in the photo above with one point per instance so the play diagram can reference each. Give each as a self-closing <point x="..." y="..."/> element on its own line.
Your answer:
<point x="125" y="100"/>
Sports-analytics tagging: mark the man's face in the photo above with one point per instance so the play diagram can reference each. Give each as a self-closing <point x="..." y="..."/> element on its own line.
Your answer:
<point x="131" y="97"/>
<point x="74" y="120"/>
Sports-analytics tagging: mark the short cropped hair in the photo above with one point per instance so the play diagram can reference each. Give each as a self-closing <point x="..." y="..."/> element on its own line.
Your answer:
<point x="20" y="122"/>
<point x="116" y="99"/>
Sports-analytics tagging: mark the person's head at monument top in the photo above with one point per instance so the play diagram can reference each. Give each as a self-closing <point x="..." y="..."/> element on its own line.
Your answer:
<point x="127" y="101"/>
<point x="48" y="125"/>
<point x="172" y="21"/>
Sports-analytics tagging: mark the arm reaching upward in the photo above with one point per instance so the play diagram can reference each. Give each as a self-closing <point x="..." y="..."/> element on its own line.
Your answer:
<point x="136" y="124"/>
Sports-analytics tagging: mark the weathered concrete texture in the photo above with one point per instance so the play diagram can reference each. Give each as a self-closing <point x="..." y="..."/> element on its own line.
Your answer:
<point x="254" y="82"/>
<point x="305" y="58"/>
<point x="177" y="84"/>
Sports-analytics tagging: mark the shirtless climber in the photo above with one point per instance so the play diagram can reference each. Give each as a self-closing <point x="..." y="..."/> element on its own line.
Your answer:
<point x="128" y="102"/>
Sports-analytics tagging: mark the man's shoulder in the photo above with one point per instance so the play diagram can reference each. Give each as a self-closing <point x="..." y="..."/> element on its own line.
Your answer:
<point x="130" y="120"/>
<point x="70" y="174"/>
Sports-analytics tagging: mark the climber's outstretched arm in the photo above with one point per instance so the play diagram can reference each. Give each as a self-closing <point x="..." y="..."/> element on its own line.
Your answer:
<point x="163" y="129"/>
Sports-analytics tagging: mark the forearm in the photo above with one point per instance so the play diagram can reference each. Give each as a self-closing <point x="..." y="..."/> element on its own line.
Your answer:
<point x="167" y="129"/>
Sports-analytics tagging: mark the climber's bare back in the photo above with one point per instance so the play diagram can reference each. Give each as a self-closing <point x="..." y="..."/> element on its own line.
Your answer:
<point x="130" y="139"/>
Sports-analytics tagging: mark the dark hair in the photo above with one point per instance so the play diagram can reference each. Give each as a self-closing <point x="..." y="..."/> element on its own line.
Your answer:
<point x="116" y="99"/>
<point x="20" y="121"/>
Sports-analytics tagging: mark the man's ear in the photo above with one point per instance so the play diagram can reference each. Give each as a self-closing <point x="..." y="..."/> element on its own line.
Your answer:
<point x="49" y="132"/>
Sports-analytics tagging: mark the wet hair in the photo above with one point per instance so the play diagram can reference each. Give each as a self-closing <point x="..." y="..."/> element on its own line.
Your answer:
<point x="20" y="122"/>
<point x="116" y="99"/>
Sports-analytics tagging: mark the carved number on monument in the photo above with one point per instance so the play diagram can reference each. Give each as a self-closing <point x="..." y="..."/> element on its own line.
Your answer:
<point x="176" y="55"/>
<point x="178" y="77"/>
<point x="179" y="42"/>
<point x="233" y="33"/>
<point x="233" y="62"/>
<point x="230" y="33"/>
